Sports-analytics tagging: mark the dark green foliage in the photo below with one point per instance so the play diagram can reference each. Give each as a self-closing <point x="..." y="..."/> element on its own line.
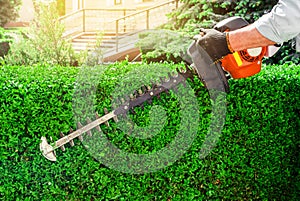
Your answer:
<point x="164" y="45"/>
<point x="4" y="48"/>
<point x="4" y="42"/>
<point x="207" y="13"/>
<point x="8" y="10"/>
<point x="256" y="158"/>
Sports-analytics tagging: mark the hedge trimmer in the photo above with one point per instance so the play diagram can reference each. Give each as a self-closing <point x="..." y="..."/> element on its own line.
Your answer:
<point x="214" y="76"/>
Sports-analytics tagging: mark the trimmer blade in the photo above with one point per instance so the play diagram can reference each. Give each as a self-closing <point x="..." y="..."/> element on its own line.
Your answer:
<point x="47" y="150"/>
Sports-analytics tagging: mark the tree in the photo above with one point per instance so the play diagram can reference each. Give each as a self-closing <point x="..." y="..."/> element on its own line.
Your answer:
<point x="207" y="13"/>
<point x="9" y="10"/>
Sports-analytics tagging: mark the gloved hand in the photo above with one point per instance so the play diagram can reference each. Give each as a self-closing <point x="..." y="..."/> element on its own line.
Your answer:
<point x="214" y="43"/>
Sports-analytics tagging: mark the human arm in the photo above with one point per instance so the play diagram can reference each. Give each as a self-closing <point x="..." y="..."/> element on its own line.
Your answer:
<point x="278" y="26"/>
<point x="247" y="37"/>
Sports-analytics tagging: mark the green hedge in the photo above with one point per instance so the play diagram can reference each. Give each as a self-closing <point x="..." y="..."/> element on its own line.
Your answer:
<point x="256" y="158"/>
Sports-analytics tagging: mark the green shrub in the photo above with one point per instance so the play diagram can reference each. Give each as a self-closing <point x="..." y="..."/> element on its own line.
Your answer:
<point x="256" y="158"/>
<point x="164" y="45"/>
<point x="43" y="41"/>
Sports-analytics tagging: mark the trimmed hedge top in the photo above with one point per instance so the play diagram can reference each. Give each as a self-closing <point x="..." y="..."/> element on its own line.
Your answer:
<point x="256" y="158"/>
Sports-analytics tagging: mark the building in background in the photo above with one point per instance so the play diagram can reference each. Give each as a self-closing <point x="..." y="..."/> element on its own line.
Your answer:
<point x="73" y="5"/>
<point x="26" y="12"/>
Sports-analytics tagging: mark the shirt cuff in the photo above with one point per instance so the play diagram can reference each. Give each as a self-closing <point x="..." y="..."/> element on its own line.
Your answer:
<point x="265" y="27"/>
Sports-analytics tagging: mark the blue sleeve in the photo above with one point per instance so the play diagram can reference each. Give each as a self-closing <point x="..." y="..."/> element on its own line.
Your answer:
<point x="282" y="23"/>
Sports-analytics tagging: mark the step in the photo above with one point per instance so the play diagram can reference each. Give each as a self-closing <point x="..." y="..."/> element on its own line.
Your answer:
<point x="103" y="34"/>
<point x="112" y="56"/>
<point x="104" y="37"/>
<point x="94" y="37"/>
<point x="84" y="40"/>
<point x="91" y="46"/>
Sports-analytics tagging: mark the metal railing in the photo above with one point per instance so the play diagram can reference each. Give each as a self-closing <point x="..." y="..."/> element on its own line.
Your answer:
<point x="146" y="19"/>
<point x="91" y="20"/>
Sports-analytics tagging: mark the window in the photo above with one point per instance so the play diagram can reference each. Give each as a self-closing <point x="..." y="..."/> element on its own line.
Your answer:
<point x="117" y="2"/>
<point x="77" y="4"/>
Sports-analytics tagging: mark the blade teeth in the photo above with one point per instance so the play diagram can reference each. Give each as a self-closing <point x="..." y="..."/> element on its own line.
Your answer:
<point x="153" y="84"/>
<point x="62" y="147"/>
<point x="115" y="118"/>
<point x="106" y="112"/>
<point x="89" y="133"/>
<point x="131" y="96"/>
<point x="151" y="93"/>
<point x="140" y="92"/>
<point x="181" y="70"/>
<point x="144" y="88"/>
<point x="132" y="111"/>
<point x="79" y="125"/>
<point x="135" y="93"/>
<point x="97" y="127"/>
<point x="71" y="141"/>
<point x="175" y="74"/>
<point x="158" y="83"/>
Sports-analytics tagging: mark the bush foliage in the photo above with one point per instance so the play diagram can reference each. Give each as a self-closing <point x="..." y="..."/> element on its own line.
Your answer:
<point x="256" y="158"/>
<point x="43" y="41"/>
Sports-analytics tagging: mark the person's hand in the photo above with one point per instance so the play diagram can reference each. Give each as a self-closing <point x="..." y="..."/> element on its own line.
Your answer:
<point x="214" y="43"/>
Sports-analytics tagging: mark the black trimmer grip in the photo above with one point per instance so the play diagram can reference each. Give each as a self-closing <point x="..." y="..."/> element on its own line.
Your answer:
<point x="231" y="24"/>
<point x="211" y="73"/>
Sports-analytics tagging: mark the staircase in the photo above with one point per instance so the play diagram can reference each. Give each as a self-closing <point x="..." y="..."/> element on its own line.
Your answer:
<point x="114" y="48"/>
<point x="88" y="41"/>
<point x="118" y="34"/>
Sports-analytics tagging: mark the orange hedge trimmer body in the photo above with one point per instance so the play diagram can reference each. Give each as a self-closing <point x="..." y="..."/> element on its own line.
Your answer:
<point x="243" y="63"/>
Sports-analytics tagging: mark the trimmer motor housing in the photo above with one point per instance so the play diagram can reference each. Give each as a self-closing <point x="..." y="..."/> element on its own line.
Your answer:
<point x="243" y="63"/>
